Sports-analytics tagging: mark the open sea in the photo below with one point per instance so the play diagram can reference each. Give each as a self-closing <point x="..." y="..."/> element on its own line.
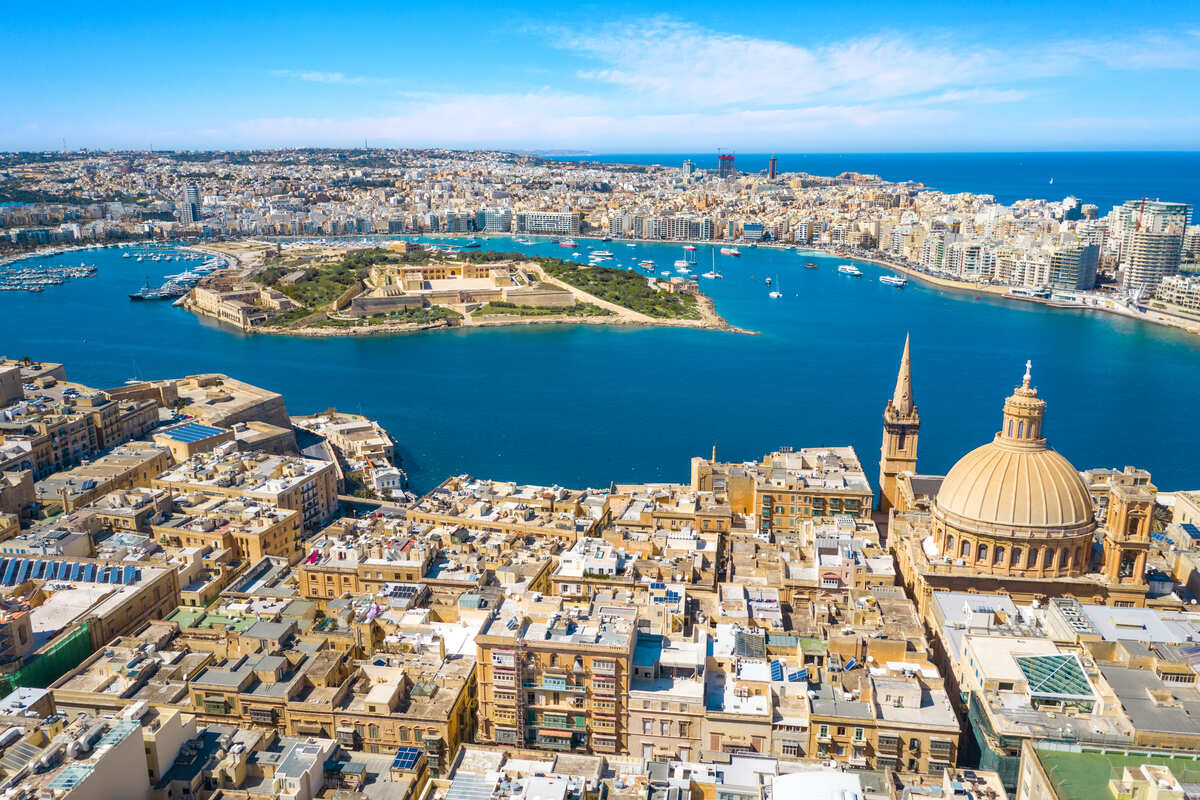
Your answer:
<point x="1103" y="178"/>
<point x="586" y="406"/>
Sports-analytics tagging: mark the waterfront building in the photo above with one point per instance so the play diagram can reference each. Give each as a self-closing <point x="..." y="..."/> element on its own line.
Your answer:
<point x="1178" y="294"/>
<point x="551" y="223"/>
<point x="1149" y="236"/>
<point x="1073" y="267"/>
<point x="495" y="219"/>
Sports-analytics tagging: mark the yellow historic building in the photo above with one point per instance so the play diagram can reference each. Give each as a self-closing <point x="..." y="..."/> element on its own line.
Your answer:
<point x="1012" y="515"/>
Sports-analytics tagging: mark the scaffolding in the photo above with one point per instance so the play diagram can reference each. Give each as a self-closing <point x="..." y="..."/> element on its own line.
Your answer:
<point x="45" y="668"/>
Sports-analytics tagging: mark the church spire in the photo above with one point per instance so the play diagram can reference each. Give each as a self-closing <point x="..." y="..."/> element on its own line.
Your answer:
<point x="901" y="426"/>
<point x="902" y="397"/>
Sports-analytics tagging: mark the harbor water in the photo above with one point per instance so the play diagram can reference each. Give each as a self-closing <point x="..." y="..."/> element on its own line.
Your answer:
<point x="582" y="405"/>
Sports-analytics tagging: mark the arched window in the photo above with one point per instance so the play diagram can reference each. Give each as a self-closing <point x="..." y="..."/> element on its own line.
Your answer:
<point x="999" y="555"/>
<point x="965" y="550"/>
<point x="982" y="553"/>
<point x="1062" y="557"/>
<point x="949" y="548"/>
<point x="1020" y="430"/>
<point x="1033" y="556"/>
<point x="1016" y="556"/>
<point x="1010" y="427"/>
<point x="1049" y="560"/>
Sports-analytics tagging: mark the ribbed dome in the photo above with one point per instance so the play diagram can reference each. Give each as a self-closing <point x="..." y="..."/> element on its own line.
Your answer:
<point x="1015" y="487"/>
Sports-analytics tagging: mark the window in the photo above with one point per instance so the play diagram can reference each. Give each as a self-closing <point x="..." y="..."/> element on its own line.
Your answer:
<point x="982" y="553"/>
<point x="965" y="550"/>
<point x="1049" y="560"/>
<point x="822" y="731"/>
<point x="665" y="727"/>
<point x="999" y="555"/>
<point x="647" y="726"/>
<point x="1016" y="556"/>
<point x="859" y="734"/>
<point x="949" y="545"/>
<point x="790" y="748"/>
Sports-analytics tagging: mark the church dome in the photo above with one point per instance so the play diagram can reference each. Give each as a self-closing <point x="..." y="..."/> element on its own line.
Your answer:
<point x="1003" y="487"/>
<point x="1014" y="506"/>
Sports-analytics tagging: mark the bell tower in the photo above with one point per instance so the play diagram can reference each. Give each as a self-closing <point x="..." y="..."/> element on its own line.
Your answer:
<point x="900" y="428"/>
<point x="1127" y="529"/>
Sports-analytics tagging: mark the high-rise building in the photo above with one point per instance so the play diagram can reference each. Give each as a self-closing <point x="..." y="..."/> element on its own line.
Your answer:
<point x="189" y="209"/>
<point x="771" y="168"/>
<point x="548" y="222"/>
<point x="725" y="168"/>
<point x="1073" y="266"/>
<point x="1149" y="235"/>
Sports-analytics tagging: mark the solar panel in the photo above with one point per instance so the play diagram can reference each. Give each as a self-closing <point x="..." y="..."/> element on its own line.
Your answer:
<point x="128" y="575"/>
<point x="36" y="570"/>
<point x="3" y="564"/>
<point x="11" y="572"/>
<point x="799" y="675"/>
<point x="512" y="623"/>
<point x="658" y="586"/>
<point x="23" y="570"/>
<point x="76" y="570"/>
<point x="406" y="758"/>
<point x="776" y="671"/>
<point x="89" y="572"/>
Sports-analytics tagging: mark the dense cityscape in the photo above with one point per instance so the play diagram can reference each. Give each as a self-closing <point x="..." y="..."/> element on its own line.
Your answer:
<point x="1126" y="259"/>
<point x="206" y="596"/>
<point x="481" y="402"/>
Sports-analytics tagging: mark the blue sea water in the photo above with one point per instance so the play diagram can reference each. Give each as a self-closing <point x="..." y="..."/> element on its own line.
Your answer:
<point x="586" y="406"/>
<point x="1103" y="178"/>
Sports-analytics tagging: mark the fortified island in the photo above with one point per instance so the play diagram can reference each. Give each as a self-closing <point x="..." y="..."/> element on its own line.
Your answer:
<point x="204" y="595"/>
<point x="312" y="289"/>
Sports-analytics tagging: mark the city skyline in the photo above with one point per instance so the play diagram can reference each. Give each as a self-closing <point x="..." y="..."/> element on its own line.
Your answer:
<point x="612" y="80"/>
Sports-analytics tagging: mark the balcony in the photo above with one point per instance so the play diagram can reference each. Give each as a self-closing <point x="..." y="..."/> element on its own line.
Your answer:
<point x="548" y="687"/>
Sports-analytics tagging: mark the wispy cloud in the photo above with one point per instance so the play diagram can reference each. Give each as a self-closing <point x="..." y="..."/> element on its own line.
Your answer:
<point x="659" y="81"/>
<point x="313" y="76"/>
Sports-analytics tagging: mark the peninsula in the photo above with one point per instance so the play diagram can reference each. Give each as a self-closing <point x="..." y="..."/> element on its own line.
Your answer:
<point x="313" y="289"/>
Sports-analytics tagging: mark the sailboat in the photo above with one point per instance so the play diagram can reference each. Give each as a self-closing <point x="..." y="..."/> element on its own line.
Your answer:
<point x="712" y="273"/>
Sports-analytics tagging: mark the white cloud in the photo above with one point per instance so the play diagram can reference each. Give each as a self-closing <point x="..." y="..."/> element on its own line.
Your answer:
<point x="662" y="83"/>
<point x="313" y="76"/>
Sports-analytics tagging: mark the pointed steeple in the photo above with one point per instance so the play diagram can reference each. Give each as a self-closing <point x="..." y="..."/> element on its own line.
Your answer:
<point x="902" y="398"/>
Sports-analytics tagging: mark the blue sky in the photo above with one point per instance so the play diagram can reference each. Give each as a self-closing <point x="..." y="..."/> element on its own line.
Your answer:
<point x="612" y="77"/>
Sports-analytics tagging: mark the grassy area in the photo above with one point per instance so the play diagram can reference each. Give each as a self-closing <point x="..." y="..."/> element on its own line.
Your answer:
<point x="628" y="289"/>
<point x="500" y="308"/>
<point x="419" y="316"/>
<point x="321" y="284"/>
<point x="1084" y="776"/>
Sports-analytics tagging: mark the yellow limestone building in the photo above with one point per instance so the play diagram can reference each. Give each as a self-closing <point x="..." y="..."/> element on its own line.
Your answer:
<point x="1011" y="516"/>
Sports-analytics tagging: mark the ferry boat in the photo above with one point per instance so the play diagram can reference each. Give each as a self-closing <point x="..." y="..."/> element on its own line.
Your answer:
<point x="899" y="281"/>
<point x="850" y="269"/>
<point x="730" y="251"/>
<point x="567" y="243"/>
